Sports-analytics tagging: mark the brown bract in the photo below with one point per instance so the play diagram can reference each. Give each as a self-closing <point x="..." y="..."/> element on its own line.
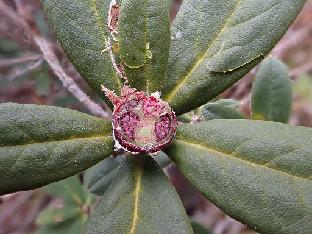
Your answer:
<point x="113" y="16"/>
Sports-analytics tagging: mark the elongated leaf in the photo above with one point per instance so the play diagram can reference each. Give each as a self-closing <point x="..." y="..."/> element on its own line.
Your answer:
<point x="162" y="159"/>
<point x="42" y="144"/>
<point x="52" y="216"/>
<point x="198" y="228"/>
<point x="102" y="175"/>
<point x="271" y="92"/>
<point x="81" y="28"/>
<point x="257" y="172"/>
<point x="71" y="226"/>
<point x="70" y="190"/>
<point x="144" y="39"/>
<point x="78" y="202"/>
<point x="211" y="37"/>
<point x="142" y="195"/>
<point x="222" y="109"/>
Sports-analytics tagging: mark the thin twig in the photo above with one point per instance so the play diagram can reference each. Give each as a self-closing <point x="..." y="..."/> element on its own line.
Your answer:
<point x="22" y="59"/>
<point x="24" y="71"/>
<point x="67" y="81"/>
<point x="52" y="60"/>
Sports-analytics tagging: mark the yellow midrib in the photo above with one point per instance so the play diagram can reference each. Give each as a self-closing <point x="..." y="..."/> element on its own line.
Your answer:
<point x="32" y="142"/>
<point x="136" y="194"/>
<point x="227" y="155"/>
<point x="183" y="80"/>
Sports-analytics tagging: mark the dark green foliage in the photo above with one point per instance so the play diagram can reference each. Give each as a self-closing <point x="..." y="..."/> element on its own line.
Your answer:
<point x="272" y="92"/>
<point x="258" y="172"/>
<point x="71" y="218"/>
<point x="142" y="195"/>
<point x="43" y="144"/>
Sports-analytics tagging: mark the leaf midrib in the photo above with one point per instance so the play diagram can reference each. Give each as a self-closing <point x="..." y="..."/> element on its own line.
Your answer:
<point x="98" y="22"/>
<point x="224" y="154"/>
<point x="56" y="140"/>
<point x="182" y="80"/>
<point x="136" y="194"/>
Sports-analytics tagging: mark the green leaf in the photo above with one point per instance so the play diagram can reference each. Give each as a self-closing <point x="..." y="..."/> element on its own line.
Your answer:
<point x="70" y="190"/>
<point x="81" y="29"/>
<point x="272" y="92"/>
<point x="198" y="228"/>
<point x="213" y="37"/>
<point x="71" y="226"/>
<point x="56" y="215"/>
<point x="139" y="200"/>
<point x="222" y="109"/>
<point x="258" y="172"/>
<point x="144" y="40"/>
<point x="76" y="207"/>
<point x="102" y="175"/>
<point x="43" y="144"/>
<point x="162" y="159"/>
<point x="186" y="118"/>
<point x="43" y="84"/>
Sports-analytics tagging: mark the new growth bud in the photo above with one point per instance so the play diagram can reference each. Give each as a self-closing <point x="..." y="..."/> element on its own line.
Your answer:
<point x="142" y="123"/>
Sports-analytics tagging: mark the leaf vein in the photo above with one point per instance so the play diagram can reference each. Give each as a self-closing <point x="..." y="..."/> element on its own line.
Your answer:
<point x="54" y="140"/>
<point x="136" y="195"/>
<point x="227" y="155"/>
<point x="199" y="61"/>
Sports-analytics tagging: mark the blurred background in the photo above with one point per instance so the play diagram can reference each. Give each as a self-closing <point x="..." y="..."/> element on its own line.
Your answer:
<point x="25" y="77"/>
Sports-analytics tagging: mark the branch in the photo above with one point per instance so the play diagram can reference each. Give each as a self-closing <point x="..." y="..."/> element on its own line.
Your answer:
<point x="22" y="59"/>
<point x="67" y="81"/>
<point x="20" y="72"/>
<point x="28" y="25"/>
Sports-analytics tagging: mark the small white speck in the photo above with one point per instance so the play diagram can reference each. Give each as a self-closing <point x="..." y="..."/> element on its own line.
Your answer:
<point x="178" y="35"/>
<point x="157" y="94"/>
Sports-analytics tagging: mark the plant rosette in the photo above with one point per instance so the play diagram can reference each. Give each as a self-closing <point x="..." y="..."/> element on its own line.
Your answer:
<point x="142" y="123"/>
